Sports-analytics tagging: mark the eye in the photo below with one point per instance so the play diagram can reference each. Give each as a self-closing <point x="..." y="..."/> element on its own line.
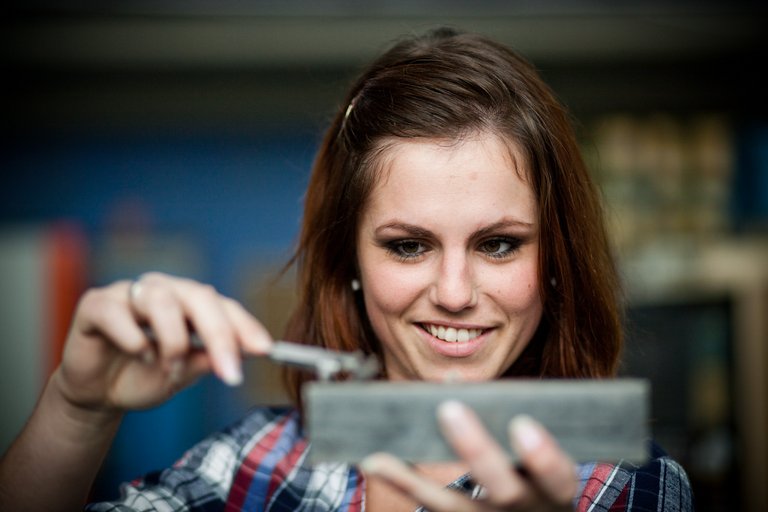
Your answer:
<point x="500" y="247"/>
<point x="406" y="249"/>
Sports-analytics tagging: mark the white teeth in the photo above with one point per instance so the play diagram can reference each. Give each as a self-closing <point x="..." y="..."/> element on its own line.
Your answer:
<point x="452" y="335"/>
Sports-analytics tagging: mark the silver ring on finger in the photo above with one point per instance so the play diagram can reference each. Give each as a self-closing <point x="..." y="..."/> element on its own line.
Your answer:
<point x="133" y="293"/>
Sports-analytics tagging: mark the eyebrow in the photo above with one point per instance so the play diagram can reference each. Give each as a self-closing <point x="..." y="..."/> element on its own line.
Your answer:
<point x="419" y="232"/>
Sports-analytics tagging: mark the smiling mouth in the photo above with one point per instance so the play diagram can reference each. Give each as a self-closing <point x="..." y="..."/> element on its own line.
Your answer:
<point x="452" y="334"/>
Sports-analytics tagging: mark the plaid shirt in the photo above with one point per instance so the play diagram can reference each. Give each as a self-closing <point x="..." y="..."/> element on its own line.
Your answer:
<point x="259" y="465"/>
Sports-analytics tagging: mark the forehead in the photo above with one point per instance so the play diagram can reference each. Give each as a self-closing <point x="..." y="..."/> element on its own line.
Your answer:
<point x="419" y="173"/>
<point x="391" y="149"/>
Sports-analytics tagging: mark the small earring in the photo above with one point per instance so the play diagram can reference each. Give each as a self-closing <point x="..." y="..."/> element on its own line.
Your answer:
<point x="553" y="282"/>
<point x="355" y="285"/>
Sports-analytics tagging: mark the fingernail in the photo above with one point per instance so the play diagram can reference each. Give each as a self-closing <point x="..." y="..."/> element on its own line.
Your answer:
<point x="525" y="433"/>
<point x="383" y="464"/>
<point x="175" y="370"/>
<point x="264" y="344"/>
<point x="231" y="372"/>
<point x="369" y="465"/>
<point x="148" y="356"/>
<point x="453" y="416"/>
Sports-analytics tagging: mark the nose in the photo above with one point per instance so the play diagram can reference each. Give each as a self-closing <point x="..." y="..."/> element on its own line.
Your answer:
<point x="454" y="288"/>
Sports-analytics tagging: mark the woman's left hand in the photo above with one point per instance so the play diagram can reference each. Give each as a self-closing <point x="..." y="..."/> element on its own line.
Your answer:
<point x="548" y="481"/>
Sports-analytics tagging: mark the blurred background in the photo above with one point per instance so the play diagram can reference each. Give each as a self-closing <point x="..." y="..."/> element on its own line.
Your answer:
<point x="178" y="136"/>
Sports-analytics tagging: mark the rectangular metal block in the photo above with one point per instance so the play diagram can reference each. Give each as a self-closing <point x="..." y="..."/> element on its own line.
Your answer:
<point x="593" y="420"/>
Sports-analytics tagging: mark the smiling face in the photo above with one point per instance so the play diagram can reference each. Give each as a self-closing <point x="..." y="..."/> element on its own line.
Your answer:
<point x="448" y="258"/>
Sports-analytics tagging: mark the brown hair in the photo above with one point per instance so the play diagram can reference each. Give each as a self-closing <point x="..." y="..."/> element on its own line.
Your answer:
<point x="444" y="85"/>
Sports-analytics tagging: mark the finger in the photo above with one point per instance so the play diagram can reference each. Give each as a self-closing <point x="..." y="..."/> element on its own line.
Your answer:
<point x="170" y="303"/>
<point x="103" y="311"/>
<point x="142" y="386"/>
<point x="551" y="469"/>
<point x="155" y="303"/>
<point x="489" y="463"/>
<point x="184" y="372"/>
<point x="252" y="335"/>
<point x="203" y="306"/>
<point x="406" y="480"/>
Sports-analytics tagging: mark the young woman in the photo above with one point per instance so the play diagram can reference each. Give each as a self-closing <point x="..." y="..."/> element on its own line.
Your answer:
<point x="450" y="228"/>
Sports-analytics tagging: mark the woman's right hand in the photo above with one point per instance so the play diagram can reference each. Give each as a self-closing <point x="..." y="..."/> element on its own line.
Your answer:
<point x="110" y="364"/>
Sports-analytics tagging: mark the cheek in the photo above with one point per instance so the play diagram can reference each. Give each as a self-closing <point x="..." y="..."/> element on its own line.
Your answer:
<point x="518" y="289"/>
<point x="387" y="290"/>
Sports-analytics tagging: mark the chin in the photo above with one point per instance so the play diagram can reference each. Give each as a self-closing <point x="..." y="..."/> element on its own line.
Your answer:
<point x="457" y="373"/>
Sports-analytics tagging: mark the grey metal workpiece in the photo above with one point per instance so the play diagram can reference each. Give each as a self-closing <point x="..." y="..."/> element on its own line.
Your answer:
<point x="593" y="420"/>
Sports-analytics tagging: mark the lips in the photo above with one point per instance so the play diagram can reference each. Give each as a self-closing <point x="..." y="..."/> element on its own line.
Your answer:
<point x="455" y="341"/>
<point x="452" y="334"/>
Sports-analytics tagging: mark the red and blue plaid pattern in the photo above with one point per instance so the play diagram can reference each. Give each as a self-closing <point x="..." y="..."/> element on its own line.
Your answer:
<point x="259" y="464"/>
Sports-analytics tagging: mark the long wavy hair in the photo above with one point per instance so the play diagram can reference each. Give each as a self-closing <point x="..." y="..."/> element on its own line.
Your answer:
<point x="444" y="85"/>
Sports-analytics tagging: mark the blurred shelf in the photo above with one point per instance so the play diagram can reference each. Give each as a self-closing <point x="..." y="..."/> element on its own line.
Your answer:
<point x="734" y="269"/>
<point x="171" y="63"/>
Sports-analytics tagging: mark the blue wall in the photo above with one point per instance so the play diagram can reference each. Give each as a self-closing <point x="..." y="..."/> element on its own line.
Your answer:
<point x="238" y="194"/>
